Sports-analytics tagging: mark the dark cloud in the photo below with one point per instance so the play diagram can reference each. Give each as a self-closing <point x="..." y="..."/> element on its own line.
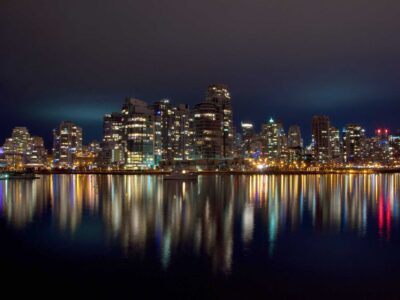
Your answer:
<point x="289" y="59"/>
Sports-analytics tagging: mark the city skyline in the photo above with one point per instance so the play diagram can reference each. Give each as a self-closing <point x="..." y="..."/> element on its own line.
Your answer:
<point x="164" y="135"/>
<point x="93" y="124"/>
<point x="98" y="136"/>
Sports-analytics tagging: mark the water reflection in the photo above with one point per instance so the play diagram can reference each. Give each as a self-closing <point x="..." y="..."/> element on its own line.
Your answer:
<point x="207" y="217"/>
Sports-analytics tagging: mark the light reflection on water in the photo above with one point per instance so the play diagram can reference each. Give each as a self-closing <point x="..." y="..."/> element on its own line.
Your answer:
<point x="209" y="218"/>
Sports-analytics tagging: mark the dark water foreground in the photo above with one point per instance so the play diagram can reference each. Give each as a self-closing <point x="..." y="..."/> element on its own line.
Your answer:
<point x="271" y="236"/>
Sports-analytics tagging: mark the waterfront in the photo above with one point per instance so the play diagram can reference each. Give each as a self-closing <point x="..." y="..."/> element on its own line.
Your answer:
<point x="292" y="235"/>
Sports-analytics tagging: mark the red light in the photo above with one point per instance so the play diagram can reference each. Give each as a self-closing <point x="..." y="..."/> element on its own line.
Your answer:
<point x="386" y="131"/>
<point x="379" y="131"/>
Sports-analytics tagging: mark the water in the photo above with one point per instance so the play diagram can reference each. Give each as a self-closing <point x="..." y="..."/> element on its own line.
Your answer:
<point x="278" y="236"/>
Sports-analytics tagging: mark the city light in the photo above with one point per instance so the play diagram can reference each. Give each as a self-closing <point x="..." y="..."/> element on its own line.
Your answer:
<point x="162" y="137"/>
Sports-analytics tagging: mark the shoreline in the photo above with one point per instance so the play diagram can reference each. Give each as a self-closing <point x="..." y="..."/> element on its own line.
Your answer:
<point x="271" y="172"/>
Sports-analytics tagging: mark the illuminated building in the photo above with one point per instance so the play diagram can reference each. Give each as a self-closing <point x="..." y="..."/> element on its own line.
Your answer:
<point x="183" y="133"/>
<point x="238" y="145"/>
<point x="16" y="148"/>
<point x="295" y="144"/>
<point x="219" y="95"/>
<point x="3" y="161"/>
<point x="256" y="144"/>
<point x="21" y="150"/>
<point x="294" y="137"/>
<point x="164" y="118"/>
<point x="174" y="134"/>
<point x="353" y="143"/>
<point x="274" y="140"/>
<point x="67" y="141"/>
<point x="321" y="139"/>
<point x="112" y="152"/>
<point x="247" y="137"/>
<point x="86" y="159"/>
<point x="37" y="152"/>
<point x="208" y="137"/>
<point x="380" y="149"/>
<point x="394" y="141"/>
<point x="138" y="135"/>
<point x="336" y="144"/>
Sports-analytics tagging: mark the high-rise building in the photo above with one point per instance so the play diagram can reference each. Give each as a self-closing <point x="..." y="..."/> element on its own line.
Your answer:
<point x="213" y="125"/>
<point x="208" y="137"/>
<point x="336" y="144"/>
<point x="183" y="135"/>
<point x="321" y="138"/>
<point x="37" y="152"/>
<point x="274" y="139"/>
<point x="220" y="96"/>
<point x="353" y="143"/>
<point x="247" y="137"/>
<point x="174" y="131"/>
<point x="138" y="137"/>
<point x="380" y="149"/>
<point x="17" y="148"/>
<point x="112" y="152"/>
<point x="164" y="126"/>
<point x="294" y="137"/>
<point x="67" y="141"/>
<point x="295" y="143"/>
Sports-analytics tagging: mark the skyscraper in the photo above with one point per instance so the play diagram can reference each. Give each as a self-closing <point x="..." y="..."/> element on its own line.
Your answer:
<point x="295" y="143"/>
<point x="174" y="131"/>
<point x="138" y="134"/>
<point x="37" y="152"/>
<point x="274" y="139"/>
<point x="112" y="152"/>
<point x="294" y="137"/>
<point x="353" y="143"/>
<point x="247" y="136"/>
<point x="183" y="135"/>
<point x="321" y="138"/>
<point x="67" y="141"/>
<point x="336" y="144"/>
<point x="208" y="137"/>
<point x="164" y="118"/>
<point x="220" y="96"/>
<point x="213" y="125"/>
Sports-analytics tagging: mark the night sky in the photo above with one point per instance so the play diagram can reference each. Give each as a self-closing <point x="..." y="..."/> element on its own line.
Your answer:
<point x="76" y="60"/>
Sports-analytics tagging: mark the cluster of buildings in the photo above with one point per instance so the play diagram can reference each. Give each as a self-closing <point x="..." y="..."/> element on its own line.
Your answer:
<point x="143" y="136"/>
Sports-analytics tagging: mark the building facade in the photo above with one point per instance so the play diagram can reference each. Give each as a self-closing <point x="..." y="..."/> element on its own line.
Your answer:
<point x="321" y="139"/>
<point x="67" y="141"/>
<point x="353" y="143"/>
<point x="138" y="134"/>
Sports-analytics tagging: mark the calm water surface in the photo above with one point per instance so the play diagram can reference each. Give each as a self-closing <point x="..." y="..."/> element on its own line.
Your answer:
<point x="287" y="236"/>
